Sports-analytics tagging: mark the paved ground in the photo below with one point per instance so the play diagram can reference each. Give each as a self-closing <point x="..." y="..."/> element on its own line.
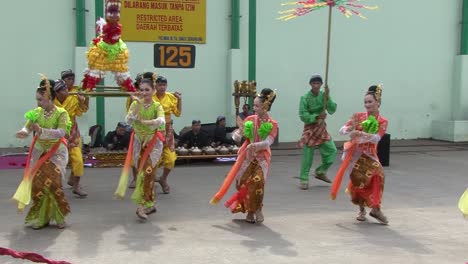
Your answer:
<point x="423" y="184"/>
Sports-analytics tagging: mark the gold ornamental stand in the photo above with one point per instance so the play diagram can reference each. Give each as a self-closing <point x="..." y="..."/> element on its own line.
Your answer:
<point x="245" y="89"/>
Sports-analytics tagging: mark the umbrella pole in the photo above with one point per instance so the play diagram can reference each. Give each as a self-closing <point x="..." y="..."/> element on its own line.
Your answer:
<point x="327" y="64"/>
<point x="328" y="45"/>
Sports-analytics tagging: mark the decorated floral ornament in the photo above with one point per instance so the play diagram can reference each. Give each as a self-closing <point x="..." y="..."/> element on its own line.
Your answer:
<point x="108" y="52"/>
<point x="346" y="7"/>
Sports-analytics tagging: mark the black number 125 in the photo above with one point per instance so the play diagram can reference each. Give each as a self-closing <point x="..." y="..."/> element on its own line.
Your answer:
<point x="174" y="56"/>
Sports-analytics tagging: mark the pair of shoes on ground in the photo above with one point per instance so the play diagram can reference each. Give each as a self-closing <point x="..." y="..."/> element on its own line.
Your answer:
<point x="375" y="213"/>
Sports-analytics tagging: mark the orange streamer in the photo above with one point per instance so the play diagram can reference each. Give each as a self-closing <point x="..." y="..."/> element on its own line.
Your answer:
<point x="350" y="147"/>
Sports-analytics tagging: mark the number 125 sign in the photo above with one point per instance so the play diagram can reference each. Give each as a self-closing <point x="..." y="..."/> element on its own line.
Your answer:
<point x="174" y="56"/>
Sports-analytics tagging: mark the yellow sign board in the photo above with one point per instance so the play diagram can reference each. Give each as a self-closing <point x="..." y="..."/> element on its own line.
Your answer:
<point x="175" y="21"/>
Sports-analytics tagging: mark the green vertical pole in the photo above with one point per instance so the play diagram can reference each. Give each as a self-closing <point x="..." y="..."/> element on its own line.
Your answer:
<point x="252" y="43"/>
<point x="80" y="10"/>
<point x="464" y="29"/>
<point x="100" y="103"/>
<point x="235" y="22"/>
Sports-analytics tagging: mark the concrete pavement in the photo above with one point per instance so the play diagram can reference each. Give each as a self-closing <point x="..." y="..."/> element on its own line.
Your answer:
<point x="423" y="184"/>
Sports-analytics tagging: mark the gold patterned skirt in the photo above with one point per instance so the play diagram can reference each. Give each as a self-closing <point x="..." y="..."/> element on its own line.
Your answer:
<point x="49" y="203"/>
<point x="250" y="190"/>
<point x="144" y="189"/>
<point x="367" y="182"/>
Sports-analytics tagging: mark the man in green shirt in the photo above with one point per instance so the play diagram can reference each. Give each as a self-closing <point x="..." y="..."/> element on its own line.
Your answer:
<point x="315" y="136"/>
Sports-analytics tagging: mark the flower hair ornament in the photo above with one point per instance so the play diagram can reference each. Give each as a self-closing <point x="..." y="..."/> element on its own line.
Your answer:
<point x="154" y="77"/>
<point x="46" y="85"/>
<point x="378" y="93"/>
<point x="269" y="99"/>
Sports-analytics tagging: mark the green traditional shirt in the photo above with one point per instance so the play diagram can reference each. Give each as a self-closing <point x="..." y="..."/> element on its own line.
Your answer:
<point x="58" y="120"/>
<point x="311" y="106"/>
<point x="155" y="110"/>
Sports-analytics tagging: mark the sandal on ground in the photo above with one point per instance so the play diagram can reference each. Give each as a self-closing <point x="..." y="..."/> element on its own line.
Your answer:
<point x="61" y="226"/>
<point x="377" y="214"/>
<point x="165" y="187"/>
<point x="250" y="218"/>
<point x="361" y="215"/>
<point x="150" y="210"/>
<point x="259" y="216"/>
<point x="140" y="212"/>
<point x="304" y="185"/>
<point x="322" y="177"/>
<point x="80" y="193"/>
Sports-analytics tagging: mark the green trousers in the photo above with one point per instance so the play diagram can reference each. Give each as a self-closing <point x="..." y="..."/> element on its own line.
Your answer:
<point x="327" y="152"/>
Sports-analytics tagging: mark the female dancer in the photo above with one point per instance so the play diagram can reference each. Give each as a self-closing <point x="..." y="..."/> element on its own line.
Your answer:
<point x="47" y="161"/>
<point x="366" y="173"/>
<point x="146" y="143"/>
<point x="253" y="162"/>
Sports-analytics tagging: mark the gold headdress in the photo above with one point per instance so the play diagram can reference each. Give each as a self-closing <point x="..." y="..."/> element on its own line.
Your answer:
<point x="46" y="85"/>
<point x="269" y="98"/>
<point x="154" y="77"/>
<point x="378" y="92"/>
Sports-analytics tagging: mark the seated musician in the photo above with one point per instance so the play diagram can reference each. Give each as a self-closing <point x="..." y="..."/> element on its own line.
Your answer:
<point x="220" y="133"/>
<point x="119" y="138"/>
<point x="196" y="137"/>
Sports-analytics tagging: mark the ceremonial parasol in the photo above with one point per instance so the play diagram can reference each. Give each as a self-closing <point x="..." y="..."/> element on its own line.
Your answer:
<point x="346" y="7"/>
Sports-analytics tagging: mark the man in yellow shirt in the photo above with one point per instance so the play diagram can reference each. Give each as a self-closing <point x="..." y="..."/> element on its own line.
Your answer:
<point x="75" y="105"/>
<point x="172" y="105"/>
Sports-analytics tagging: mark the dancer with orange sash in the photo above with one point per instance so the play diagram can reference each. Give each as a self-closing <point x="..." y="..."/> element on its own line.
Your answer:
<point x="47" y="161"/>
<point x="253" y="161"/>
<point x="145" y="148"/>
<point x="360" y="158"/>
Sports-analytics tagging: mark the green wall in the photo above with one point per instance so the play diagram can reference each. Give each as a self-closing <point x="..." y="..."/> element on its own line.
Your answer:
<point x="412" y="52"/>
<point x="409" y="50"/>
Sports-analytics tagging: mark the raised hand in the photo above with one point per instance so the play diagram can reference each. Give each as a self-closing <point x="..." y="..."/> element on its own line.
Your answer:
<point x="35" y="127"/>
<point x="21" y="134"/>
